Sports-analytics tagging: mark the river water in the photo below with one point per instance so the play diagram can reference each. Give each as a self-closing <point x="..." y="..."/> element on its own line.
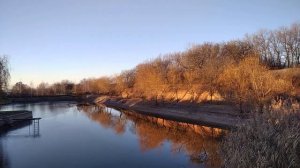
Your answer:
<point x="68" y="136"/>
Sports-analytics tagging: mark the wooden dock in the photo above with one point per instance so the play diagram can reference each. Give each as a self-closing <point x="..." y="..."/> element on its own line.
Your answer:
<point x="8" y="118"/>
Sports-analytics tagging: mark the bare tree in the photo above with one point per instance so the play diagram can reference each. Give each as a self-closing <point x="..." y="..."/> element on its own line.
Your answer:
<point x="19" y="89"/>
<point x="42" y="89"/>
<point x="125" y="82"/>
<point x="4" y="74"/>
<point x="151" y="78"/>
<point x="252" y="82"/>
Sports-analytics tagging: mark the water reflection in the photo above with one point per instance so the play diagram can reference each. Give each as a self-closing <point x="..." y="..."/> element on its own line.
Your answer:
<point x="105" y="117"/>
<point x="41" y="109"/>
<point x="33" y="132"/>
<point x="93" y="136"/>
<point x="201" y="144"/>
<point x="4" y="162"/>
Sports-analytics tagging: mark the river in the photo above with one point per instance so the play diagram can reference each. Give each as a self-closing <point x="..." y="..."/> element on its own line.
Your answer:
<point x="68" y="136"/>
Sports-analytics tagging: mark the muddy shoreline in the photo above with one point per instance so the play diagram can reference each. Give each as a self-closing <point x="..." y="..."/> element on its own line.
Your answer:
<point x="212" y="115"/>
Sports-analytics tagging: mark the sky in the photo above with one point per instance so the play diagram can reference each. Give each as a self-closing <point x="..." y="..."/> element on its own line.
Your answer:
<point x="53" y="40"/>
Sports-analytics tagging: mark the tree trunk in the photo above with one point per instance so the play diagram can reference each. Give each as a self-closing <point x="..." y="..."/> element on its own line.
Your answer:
<point x="241" y="105"/>
<point x="156" y="100"/>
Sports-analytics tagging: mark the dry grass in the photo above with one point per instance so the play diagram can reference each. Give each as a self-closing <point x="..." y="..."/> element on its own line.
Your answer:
<point x="266" y="140"/>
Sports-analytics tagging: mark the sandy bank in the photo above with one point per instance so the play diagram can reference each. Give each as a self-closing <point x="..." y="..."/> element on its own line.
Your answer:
<point x="212" y="115"/>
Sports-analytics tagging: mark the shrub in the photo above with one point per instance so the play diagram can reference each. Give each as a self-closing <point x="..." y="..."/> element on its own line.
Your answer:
<point x="251" y="82"/>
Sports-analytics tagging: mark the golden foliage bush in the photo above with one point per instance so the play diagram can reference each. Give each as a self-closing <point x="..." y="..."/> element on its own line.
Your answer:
<point x="251" y="82"/>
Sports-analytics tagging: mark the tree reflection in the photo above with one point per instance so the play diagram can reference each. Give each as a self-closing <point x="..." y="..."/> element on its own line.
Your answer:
<point x="153" y="132"/>
<point x="105" y="118"/>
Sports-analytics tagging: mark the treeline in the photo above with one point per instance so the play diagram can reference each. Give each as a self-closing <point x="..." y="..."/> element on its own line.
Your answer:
<point x="279" y="48"/>
<point x="64" y="87"/>
<point x="101" y="85"/>
<point x="237" y="71"/>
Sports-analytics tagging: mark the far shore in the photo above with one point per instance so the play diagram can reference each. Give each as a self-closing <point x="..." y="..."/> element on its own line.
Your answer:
<point x="37" y="99"/>
<point x="215" y="115"/>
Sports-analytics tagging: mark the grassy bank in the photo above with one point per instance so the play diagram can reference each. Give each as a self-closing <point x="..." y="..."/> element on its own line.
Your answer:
<point x="271" y="139"/>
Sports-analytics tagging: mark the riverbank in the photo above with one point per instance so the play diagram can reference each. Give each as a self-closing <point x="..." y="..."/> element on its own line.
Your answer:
<point x="212" y="115"/>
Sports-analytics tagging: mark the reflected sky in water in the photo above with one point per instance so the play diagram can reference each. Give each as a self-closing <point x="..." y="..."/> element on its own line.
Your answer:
<point x="71" y="136"/>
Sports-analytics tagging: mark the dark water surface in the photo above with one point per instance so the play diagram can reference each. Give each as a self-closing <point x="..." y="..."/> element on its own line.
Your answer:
<point x="69" y="136"/>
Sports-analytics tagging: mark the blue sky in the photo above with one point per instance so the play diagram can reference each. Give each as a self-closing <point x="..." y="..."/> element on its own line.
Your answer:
<point x="52" y="40"/>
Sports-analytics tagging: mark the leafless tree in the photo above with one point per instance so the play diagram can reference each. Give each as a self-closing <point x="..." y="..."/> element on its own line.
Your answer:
<point x="4" y="74"/>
